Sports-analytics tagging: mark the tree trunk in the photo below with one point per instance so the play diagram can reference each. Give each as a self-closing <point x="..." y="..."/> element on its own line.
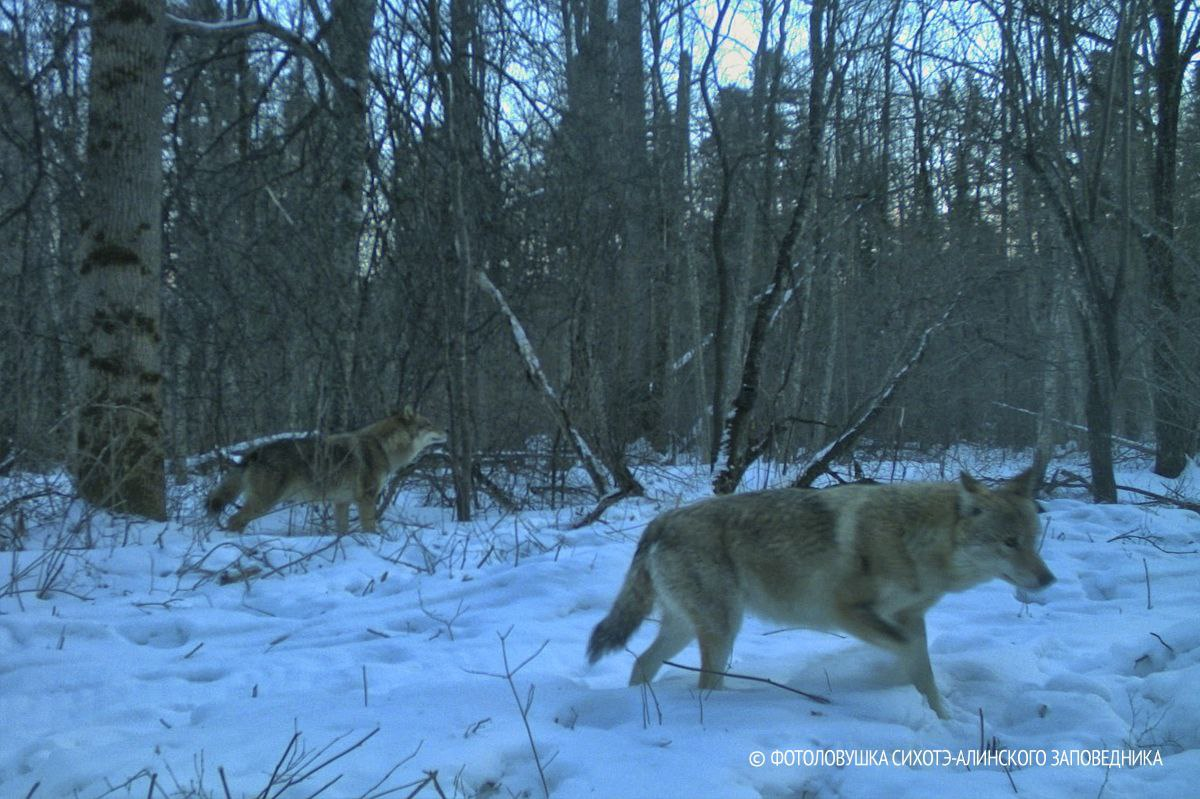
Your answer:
<point x="1099" y="414"/>
<point x="723" y="339"/>
<point x="684" y="318"/>
<point x="1171" y="427"/>
<point x="1072" y="195"/>
<point x="351" y="25"/>
<point x="1055" y="332"/>
<point x="464" y="176"/>
<point x="640" y="260"/>
<point x="739" y="453"/>
<point x="117" y="457"/>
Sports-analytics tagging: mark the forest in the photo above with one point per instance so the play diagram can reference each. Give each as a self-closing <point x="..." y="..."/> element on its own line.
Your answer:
<point x="587" y="233"/>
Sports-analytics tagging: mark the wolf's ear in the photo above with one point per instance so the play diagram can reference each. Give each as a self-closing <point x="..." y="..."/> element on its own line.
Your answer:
<point x="407" y="412"/>
<point x="970" y="485"/>
<point x="969" y="492"/>
<point x="1025" y="483"/>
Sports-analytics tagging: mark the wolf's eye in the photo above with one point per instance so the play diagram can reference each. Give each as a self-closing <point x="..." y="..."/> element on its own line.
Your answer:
<point x="976" y="511"/>
<point x="1011" y="543"/>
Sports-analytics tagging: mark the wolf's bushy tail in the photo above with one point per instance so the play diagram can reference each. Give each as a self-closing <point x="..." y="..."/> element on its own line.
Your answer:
<point x="633" y="603"/>
<point x="227" y="491"/>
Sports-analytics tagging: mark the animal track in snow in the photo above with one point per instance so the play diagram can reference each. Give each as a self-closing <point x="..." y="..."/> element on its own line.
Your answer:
<point x="157" y="634"/>
<point x="193" y="674"/>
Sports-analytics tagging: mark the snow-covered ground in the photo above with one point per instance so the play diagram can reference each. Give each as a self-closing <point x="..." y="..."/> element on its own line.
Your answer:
<point x="447" y="659"/>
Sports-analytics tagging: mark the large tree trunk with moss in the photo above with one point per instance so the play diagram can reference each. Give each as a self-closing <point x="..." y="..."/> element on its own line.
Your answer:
<point x="117" y="458"/>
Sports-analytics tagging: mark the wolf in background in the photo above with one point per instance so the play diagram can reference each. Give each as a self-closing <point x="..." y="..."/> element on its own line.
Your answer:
<point x="866" y="559"/>
<point x="339" y="468"/>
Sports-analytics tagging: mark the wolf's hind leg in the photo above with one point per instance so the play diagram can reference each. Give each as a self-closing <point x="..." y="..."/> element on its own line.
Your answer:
<point x="705" y="597"/>
<point x="674" y="634"/>
<point x="716" y="645"/>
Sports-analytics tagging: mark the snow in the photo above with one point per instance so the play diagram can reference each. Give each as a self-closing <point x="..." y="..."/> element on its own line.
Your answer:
<point x="207" y="663"/>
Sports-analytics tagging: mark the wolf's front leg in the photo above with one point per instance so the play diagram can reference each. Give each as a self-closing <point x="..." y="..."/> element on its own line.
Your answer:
<point x="252" y="509"/>
<point x="915" y="655"/>
<point x="341" y="517"/>
<point x="366" y="515"/>
<point x="861" y="619"/>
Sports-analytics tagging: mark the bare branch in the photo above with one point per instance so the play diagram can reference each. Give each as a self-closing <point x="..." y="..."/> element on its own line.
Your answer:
<point x="819" y="463"/>
<point x="255" y="23"/>
<point x="533" y="370"/>
<point x="821" y="700"/>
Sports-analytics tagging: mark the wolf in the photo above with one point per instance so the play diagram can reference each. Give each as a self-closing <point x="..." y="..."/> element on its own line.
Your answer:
<point x="339" y="468"/>
<point x="866" y="559"/>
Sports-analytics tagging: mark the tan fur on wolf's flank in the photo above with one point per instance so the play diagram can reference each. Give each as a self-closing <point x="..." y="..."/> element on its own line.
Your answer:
<point x="339" y="468"/>
<point x="869" y="560"/>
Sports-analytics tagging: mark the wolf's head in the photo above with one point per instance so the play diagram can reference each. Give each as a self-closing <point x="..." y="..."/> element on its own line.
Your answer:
<point x="419" y="430"/>
<point x="999" y="532"/>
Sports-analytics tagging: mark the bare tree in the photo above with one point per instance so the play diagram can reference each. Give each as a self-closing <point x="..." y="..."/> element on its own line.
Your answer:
<point x="350" y="27"/>
<point x="731" y="284"/>
<point x="117" y="458"/>
<point x="737" y="449"/>
<point x="1054" y="129"/>
<point x="461" y="133"/>
<point x="1174" y="48"/>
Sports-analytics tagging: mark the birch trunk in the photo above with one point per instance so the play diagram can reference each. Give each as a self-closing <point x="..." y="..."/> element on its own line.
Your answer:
<point x="117" y="454"/>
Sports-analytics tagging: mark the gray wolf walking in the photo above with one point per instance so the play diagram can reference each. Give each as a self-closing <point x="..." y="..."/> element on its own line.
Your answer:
<point x="340" y="468"/>
<point x="866" y="559"/>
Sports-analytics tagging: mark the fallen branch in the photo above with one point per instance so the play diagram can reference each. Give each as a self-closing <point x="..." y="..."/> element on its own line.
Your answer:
<point x="1150" y="540"/>
<point x="1129" y="442"/>
<point x="533" y="371"/>
<point x="1073" y="480"/>
<point x="819" y="463"/>
<point x="392" y="488"/>
<point x="606" y="502"/>
<point x="501" y="497"/>
<point x="821" y="700"/>
<point x="12" y="504"/>
<point x="252" y="562"/>
<point x="1177" y="502"/>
